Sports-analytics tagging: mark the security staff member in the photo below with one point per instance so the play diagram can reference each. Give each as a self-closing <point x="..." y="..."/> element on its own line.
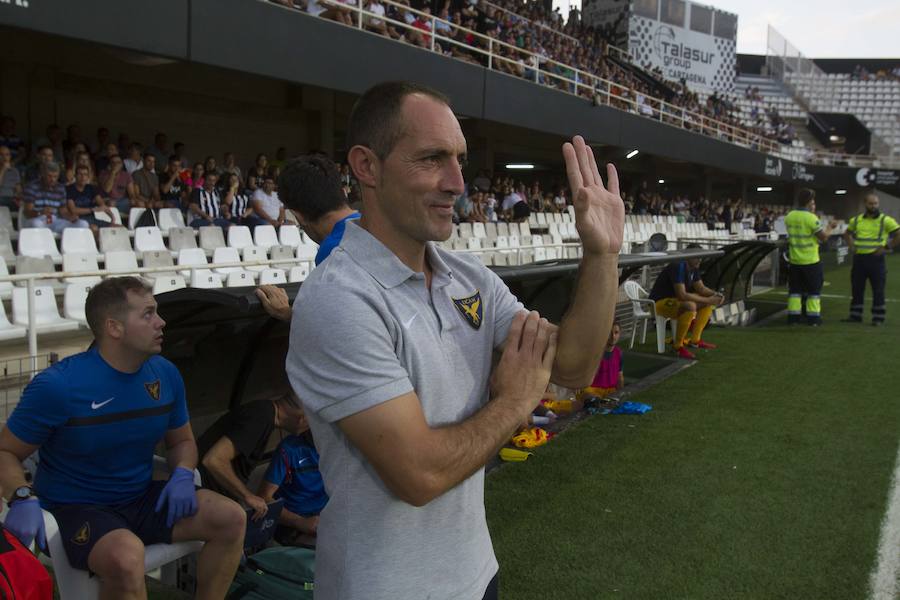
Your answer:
<point x="869" y="235"/>
<point x="805" y="277"/>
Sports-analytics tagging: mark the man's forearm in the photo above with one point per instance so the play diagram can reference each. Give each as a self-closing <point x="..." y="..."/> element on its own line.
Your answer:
<point x="457" y="451"/>
<point x="225" y="476"/>
<point x="183" y="454"/>
<point x="586" y="325"/>
<point x="12" y="476"/>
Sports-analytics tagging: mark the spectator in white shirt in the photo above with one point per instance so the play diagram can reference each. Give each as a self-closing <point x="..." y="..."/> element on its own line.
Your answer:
<point x="135" y="159"/>
<point x="267" y="205"/>
<point x="373" y="24"/>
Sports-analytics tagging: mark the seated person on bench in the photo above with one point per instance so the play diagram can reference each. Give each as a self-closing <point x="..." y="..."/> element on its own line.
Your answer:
<point x="237" y="443"/>
<point x="96" y="418"/>
<point x="293" y="475"/>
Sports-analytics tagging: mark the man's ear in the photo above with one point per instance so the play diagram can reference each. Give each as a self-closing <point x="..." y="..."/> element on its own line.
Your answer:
<point x="365" y="165"/>
<point x="115" y="329"/>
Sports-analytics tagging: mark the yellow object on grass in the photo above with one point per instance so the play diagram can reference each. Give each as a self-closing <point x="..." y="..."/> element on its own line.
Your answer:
<point x="531" y="438"/>
<point x="513" y="455"/>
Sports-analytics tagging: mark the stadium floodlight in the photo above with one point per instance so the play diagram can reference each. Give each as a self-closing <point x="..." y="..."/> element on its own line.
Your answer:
<point x="519" y="166"/>
<point x="662" y="180"/>
<point x="764" y="188"/>
<point x="840" y="192"/>
<point x="632" y="154"/>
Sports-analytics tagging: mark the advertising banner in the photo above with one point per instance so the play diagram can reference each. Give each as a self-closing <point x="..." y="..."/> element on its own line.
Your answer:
<point x="702" y="60"/>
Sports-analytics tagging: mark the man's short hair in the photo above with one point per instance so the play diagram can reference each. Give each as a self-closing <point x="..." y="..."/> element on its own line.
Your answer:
<point x="805" y="196"/>
<point x="148" y="154"/>
<point x="109" y="298"/>
<point x="50" y="167"/>
<point x="83" y="168"/>
<point x="375" y="119"/>
<point x="311" y="185"/>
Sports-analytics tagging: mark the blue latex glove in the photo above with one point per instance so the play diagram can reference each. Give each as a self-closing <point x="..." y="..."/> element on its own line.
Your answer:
<point x="26" y="521"/>
<point x="180" y="495"/>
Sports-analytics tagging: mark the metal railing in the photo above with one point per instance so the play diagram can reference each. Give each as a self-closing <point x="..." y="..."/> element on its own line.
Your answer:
<point x="497" y="55"/>
<point x="32" y="278"/>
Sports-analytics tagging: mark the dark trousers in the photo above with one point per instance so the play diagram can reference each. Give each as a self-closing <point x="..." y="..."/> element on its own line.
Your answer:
<point x="804" y="287"/>
<point x="868" y="267"/>
<point x="493" y="589"/>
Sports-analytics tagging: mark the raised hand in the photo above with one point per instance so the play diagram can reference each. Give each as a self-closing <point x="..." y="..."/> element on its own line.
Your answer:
<point x="599" y="210"/>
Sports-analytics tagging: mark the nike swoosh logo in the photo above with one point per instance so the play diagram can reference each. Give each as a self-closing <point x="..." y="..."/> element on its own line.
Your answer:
<point x="411" y="319"/>
<point x="301" y="461"/>
<point x="96" y="405"/>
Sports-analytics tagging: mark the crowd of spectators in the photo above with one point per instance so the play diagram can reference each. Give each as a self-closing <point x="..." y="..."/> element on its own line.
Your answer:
<point x="538" y="44"/>
<point x="92" y="175"/>
<point x="860" y="73"/>
<point x="68" y="179"/>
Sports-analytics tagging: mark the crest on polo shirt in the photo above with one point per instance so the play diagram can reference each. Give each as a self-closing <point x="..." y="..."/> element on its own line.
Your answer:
<point x="153" y="389"/>
<point x="471" y="308"/>
<point x="83" y="535"/>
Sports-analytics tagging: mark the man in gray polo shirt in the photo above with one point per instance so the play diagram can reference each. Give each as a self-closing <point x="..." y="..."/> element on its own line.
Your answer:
<point x="391" y="350"/>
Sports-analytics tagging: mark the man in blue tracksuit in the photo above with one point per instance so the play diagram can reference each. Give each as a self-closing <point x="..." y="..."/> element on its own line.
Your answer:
<point x="95" y="419"/>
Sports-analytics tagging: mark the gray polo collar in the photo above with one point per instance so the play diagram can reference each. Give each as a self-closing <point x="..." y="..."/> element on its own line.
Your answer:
<point x="382" y="264"/>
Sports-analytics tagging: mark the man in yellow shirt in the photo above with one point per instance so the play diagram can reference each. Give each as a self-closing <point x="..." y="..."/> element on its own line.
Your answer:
<point x="805" y="277"/>
<point x="869" y="235"/>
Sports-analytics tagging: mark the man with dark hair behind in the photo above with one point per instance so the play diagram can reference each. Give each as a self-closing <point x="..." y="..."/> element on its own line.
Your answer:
<point x="311" y="187"/>
<point x="96" y="418"/>
<point x="406" y="415"/>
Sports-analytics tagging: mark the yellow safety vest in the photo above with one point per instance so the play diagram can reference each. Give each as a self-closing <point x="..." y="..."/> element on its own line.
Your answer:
<point x="802" y="227"/>
<point x="871" y="233"/>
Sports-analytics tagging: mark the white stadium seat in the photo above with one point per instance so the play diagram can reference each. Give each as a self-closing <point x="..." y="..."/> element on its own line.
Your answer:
<point x="299" y="272"/>
<point x="46" y="313"/>
<point x="254" y="254"/>
<point x="240" y="278"/>
<point x="239" y="236"/>
<point x="265" y="236"/>
<point x="114" y="239"/>
<point x="38" y="242"/>
<point x="169" y="218"/>
<point x="289" y="235"/>
<point x="78" y="240"/>
<point x="148" y="239"/>
<point x="161" y="285"/>
<point x="74" y="299"/>
<point x="205" y="278"/>
<point x="272" y="277"/>
<point x="81" y="263"/>
<point x="191" y="257"/>
<point x="8" y="331"/>
<point x="121" y="262"/>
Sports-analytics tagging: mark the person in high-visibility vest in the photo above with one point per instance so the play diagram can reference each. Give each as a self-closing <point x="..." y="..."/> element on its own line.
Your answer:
<point x="869" y="235"/>
<point x="805" y="276"/>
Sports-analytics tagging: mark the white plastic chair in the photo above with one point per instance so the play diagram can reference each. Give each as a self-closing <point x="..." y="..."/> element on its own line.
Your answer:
<point x="191" y="257"/>
<point x="114" y="239"/>
<point x="272" y="277"/>
<point x="161" y="285"/>
<point x="6" y="249"/>
<point x="73" y="301"/>
<point x="212" y="238"/>
<point x="6" y="287"/>
<point x="226" y="256"/>
<point x="307" y="251"/>
<point x="289" y="235"/>
<point x="169" y="218"/>
<point x="205" y="279"/>
<point x="254" y="254"/>
<point x="46" y="313"/>
<point x="265" y="236"/>
<point x="122" y="262"/>
<point x="38" y="242"/>
<point x="299" y="273"/>
<point x="149" y="239"/>
<point x="239" y="236"/>
<point x="8" y="331"/>
<point x="75" y="584"/>
<point x="158" y="259"/>
<point x="134" y="215"/>
<point x="239" y="278"/>
<point x="79" y="263"/>
<point x="78" y="240"/>
<point x="101" y="215"/>
<point x="644" y="309"/>
<point x="181" y="238"/>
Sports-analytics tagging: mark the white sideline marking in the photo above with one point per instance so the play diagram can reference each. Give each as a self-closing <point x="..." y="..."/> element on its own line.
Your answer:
<point x="883" y="581"/>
